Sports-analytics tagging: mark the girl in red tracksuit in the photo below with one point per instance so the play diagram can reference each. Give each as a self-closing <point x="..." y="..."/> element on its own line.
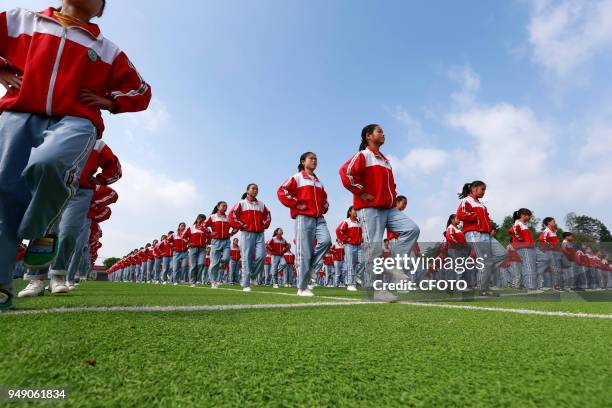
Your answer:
<point x="234" y="264"/>
<point x="369" y="176"/>
<point x="60" y="73"/>
<point x="252" y="218"/>
<point x="549" y="255"/>
<point x="479" y="233"/>
<point x="456" y="245"/>
<point x="349" y="233"/>
<point x="277" y="246"/>
<point x="179" y="259"/>
<point x="305" y="195"/>
<point x="523" y="243"/>
<point x="219" y="224"/>
<point x="198" y="237"/>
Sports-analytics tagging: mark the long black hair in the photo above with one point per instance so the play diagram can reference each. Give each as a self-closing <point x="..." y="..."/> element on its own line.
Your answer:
<point x="276" y="231"/>
<point x="521" y="211"/>
<point x="348" y="212"/>
<point x="467" y="188"/>
<point x="365" y="132"/>
<point x="546" y="220"/>
<point x="216" y="209"/>
<point x="198" y="217"/>
<point x="302" y="158"/>
<point x="247" y="189"/>
<point x="450" y="219"/>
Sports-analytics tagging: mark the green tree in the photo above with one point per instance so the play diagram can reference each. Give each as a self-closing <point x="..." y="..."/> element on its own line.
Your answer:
<point x="604" y="234"/>
<point x="108" y="262"/>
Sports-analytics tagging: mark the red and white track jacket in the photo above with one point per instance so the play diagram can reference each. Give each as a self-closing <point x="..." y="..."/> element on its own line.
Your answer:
<point x="306" y="190"/>
<point x="520" y="235"/>
<point x="338" y="253"/>
<point x="474" y="215"/>
<point x="392" y="235"/>
<point x="57" y="63"/>
<point x="289" y="258"/>
<point x="219" y="225"/>
<point x="268" y="259"/>
<point x="178" y="241"/>
<point x="454" y="236"/>
<point x="101" y="214"/>
<point x="103" y="196"/>
<point x="103" y="158"/>
<point x="549" y="240"/>
<point x="328" y="259"/>
<point x="157" y="251"/>
<point x="235" y="253"/>
<point x="349" y="231"/>
<point x="369" y="172"/>
<point x="250" y="216"/>
<point x="277" y="247"/>
<point x="165" y="248"/>
<point x="197" y="236"/>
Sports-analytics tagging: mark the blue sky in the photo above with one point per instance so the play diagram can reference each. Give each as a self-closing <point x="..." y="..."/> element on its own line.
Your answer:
<point x="514" y="93"/>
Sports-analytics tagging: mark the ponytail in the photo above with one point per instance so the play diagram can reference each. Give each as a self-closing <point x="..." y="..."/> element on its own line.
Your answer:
<point x="200" y="216"/>
<point x="348" y="212"/>
<point x="365" y="132"/>
<point x="450" y="219"/>
<point x="520" y="212"/>
<point x="467" y="188"/>
<point x="244" y="195"/>
<point x="302" y="158"/>
<point x="546" y="220"/>
<point x="216" y="209"/>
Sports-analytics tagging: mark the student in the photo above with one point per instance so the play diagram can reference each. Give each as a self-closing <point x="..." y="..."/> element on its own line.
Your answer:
<point x="252" y="218"/>
<point x="276" y="247"/>
<point x="157" y="258"/>
<point x="219" y="224"/>
<point x="479" y="232"/>
<point x="510" y="269"/>
<point x="266" y="278"/>
<point x="568" y="262"/>
<point x="197" y="236"/>
<point x="455" y="243"/>
<point x="289" y="268"/>
<point x="339" y="264"/>
<point x="47" y="108"/>
<point x="328" y="261"/>
<point x="523" y="243"/>
<point x="549" y="254"/>
<point x="206" y="280"/>
<point x="234" y="265"/>
<point x="179" y="258"/>
<point x="305" y="195"/>
<point x="349" y="233"/>
<point x="369" y="176"/>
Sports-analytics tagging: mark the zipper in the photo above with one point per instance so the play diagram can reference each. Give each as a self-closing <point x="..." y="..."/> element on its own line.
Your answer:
<point x="315" y="197"/>
<point x="58" y="57"/>
<point x="389" y="186"/>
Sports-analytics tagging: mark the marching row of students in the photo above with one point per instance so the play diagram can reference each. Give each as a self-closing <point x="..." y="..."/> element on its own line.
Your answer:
<point x="51" y="123"/>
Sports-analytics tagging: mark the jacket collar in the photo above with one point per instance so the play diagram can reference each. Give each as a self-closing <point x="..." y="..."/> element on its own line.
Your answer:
<point x="92" y="29"/>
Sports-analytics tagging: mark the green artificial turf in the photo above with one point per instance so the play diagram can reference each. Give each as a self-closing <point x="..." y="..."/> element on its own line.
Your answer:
<point x="358" y="355"/>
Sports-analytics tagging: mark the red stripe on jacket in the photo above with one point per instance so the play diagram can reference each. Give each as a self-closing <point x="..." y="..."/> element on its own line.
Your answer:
<point x="219" y="225"/>
<point x="349" y="232"/>
<point x="101" y="158"/>
<point x="474" y="215"/>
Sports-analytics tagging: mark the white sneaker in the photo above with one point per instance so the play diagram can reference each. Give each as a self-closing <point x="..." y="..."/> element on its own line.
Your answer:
<point x="305" y="293"/>
<point x="384" y="296"/>
<point x="214" y="285"/>
<point x="351" y="288"/>
<point x="534" y="291"/>
<point x="77" y="284"/>
<point x="71" y="285"/>
<point x="175" y="284"/>
<point x="275" y="286"/>
<point x="35" y="288"/>
<point x="58" y="284"/>
<point x="311" y="287"/>
<point x="246" y="289"/>
<point x="192" y="285"/>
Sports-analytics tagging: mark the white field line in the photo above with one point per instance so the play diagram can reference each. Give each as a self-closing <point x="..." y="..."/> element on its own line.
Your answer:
<point x="147" y="309"/>
<point x="285" y="294"/>
<point x="509" y="310"/>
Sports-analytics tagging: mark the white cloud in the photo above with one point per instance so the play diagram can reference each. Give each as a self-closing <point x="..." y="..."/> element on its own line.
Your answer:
<point x="150" y="203"/>
<point x="153" y="119"/>
<point x="432" y="229"/>
<point x="469" y="84"/>
<point x="420" y="160"/>
<point x="566" y="34"/>
<point x="598" y="142"/>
